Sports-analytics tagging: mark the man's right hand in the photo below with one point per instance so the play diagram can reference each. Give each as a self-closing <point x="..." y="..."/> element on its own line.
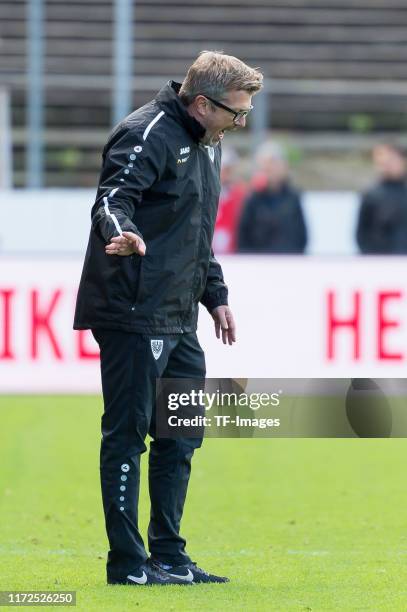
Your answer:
<point x="126" y="244"/>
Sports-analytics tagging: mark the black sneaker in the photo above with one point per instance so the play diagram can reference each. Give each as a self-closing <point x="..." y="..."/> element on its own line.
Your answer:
<point x="190" y="572"/>
<point x="148" y="574"/>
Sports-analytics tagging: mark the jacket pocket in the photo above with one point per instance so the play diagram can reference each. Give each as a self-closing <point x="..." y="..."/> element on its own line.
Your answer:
<point x="137" y="263"/>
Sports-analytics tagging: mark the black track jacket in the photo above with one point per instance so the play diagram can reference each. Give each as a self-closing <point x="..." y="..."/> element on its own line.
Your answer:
<point x="158" y="181"/>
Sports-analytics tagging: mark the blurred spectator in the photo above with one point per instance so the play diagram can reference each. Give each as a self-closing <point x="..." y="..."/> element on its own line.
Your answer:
<point x="382" y="224"/>
<point x="272" y="219"/>
<point x="230" y="204"/>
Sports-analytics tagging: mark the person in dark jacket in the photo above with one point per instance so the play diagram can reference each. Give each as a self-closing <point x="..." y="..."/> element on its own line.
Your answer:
<point x="272" y="220"/>
<point x="382" y="223"/>
<point x="148" y="264"/>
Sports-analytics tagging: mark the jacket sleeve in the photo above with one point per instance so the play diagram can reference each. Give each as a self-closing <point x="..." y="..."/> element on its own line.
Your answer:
<point x="216" y="292"/>
<point x="364" y="230"/>
<point x="299" y="227"/>
<point x="131" y="165"/>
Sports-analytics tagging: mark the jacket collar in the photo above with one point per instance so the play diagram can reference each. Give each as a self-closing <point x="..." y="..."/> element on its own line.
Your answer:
<point x="171" y="103"/>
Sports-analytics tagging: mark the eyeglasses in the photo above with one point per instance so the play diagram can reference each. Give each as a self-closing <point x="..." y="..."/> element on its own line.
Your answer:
<point x="237" y="114"/>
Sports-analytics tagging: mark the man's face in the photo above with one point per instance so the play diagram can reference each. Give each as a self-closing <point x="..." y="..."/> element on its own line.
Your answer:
<point x="217" y="120"/>
<point x="389" y="163"/>
<point x="274" y="170"/>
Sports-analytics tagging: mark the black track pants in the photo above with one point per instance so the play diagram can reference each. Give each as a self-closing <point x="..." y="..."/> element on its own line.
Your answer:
<point x="129" y="370"/>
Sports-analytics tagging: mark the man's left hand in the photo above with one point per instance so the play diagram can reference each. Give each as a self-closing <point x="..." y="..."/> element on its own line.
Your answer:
<point x="126" y="244"/>
<point x="223" y="318"/>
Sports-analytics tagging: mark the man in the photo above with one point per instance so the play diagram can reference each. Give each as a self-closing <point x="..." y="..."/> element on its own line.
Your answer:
<point x="272" y="220"/>
<point x="382" y="223"/>
<point x="148" y="265"/>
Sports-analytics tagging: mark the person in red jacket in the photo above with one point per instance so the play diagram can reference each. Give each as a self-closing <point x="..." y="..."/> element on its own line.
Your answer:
<point x="232" y="195"/>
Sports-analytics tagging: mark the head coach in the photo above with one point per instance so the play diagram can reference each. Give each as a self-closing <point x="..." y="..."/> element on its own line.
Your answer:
<point x="147" y="266"/>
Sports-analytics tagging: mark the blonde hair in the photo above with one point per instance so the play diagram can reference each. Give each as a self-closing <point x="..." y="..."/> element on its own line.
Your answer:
<point x="215" y="74"/>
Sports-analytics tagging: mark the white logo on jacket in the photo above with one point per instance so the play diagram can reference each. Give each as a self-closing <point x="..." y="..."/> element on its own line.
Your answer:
<point x="157" y="348"/>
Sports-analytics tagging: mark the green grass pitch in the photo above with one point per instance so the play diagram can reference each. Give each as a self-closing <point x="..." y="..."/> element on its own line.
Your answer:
<point x="297" y="524"/>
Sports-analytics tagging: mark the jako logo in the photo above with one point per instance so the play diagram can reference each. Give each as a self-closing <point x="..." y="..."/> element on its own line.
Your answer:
<point x="184" y="150"/>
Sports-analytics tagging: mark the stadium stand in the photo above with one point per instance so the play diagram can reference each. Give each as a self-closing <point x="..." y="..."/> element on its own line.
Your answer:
<point x="332" y="65"/>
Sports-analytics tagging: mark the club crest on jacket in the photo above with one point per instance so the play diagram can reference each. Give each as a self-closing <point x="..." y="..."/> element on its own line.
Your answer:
<point x="157" y="348"/>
